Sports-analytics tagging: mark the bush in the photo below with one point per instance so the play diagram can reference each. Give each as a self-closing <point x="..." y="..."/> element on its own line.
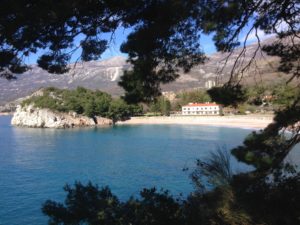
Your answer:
<point x="161" y="106"/>
<point x="84" y="101"/>
<point x="192" y="96"/>
<point x="87" y="204"/>
<point x="241" y="201"/>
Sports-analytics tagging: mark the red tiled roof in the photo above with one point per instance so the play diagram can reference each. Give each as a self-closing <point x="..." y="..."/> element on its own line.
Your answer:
<point x="201" y="104"/>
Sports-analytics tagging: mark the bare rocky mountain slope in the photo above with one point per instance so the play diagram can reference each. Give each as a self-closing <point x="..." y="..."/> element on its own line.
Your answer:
<point x="104" y="75"/>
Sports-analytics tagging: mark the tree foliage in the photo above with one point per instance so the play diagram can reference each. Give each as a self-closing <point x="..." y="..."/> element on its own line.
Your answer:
<point x="88" y="204"/>
<point x="84" y="101"/>
<point x="29" y="26"/>
<point x="164" y="39"/>
<point x="228" y="95"/>
<point x="119" y="110"/>
<point x="186" y="97"/>
<point x="161" y="105"/>
<point x="236" y="201"/>
<point x="161" y="42"/>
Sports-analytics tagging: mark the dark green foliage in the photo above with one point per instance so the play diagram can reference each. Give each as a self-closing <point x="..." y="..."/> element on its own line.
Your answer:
<point x="161" y="42"/>
<point x="137" y="110"/>
<point x="164" y="39"/>
<point x="243" y="198"/>
<point x="261" y="149"/>
<point x="213" y="171"/>
<point x="119" y="110"/>
<point x="10" y="65"/>
<point x="92" y="48"/>
<point x="84" y="204"/>
<point x="270" y="201"/>
<point x="155" y="208"/>
<point x="27" y="26"/>
<point x="90" y="108"/>
<point x="184" y="98"/>
<point x="289" y="116"/>
<point x="54" y="62"/>
<point x="288" y="53"/>
<point x="228" y="95"/>
<point x="161" y="105"/>
<point x="87" y="204"/>
<point x="84" y="101"/>
<point x="138" y="90"/>
<point x="268" y="148"/>
<point x="255" y="94"/>
<point x="285" y="95"/>
<point x="241" y="201"/>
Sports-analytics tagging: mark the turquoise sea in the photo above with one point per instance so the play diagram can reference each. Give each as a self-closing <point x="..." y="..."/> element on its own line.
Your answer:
<point x="36" y="163"/>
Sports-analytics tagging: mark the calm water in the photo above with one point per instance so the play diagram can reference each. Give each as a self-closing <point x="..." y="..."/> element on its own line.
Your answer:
<point x="36" y="163"/>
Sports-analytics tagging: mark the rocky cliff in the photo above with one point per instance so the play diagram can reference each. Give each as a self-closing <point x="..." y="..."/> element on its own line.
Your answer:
<point x="29" y="116"/>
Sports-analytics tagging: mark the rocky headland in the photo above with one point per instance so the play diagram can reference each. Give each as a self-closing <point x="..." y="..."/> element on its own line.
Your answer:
<point x="30" y="116"/>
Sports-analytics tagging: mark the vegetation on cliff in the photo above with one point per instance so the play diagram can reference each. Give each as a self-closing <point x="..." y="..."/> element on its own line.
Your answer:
<point x="84" y="101"/>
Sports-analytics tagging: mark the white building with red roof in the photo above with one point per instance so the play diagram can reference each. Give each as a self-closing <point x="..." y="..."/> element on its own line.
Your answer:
<point x="202" y="109"/>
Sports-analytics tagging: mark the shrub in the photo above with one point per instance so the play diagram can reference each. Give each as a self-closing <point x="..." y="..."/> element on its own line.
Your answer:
<point x="84" y="101"/>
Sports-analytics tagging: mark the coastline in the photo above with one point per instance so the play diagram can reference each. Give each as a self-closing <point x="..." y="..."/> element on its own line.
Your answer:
<point x="257" y="121"/>
<point x="6" y="114"/>
<point x="237" y="121"/>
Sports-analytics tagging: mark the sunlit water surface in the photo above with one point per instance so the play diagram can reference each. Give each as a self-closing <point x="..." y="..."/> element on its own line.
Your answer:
<point x="36" y="163"/>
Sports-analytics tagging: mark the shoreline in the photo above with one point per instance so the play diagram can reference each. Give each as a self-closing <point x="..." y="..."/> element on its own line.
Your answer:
<point x="236" y="121"/>
<point x="6" y="114"/>
<point x="258" y="121"/>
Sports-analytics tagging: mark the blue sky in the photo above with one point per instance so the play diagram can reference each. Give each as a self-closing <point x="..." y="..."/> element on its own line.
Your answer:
<point x="206" y="41"/>
<point x="114" y="47"/>
<point x="120" y="36"/>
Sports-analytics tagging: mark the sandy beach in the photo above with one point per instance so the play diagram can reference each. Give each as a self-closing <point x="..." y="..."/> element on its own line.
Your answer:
<point x="241" y="121"/>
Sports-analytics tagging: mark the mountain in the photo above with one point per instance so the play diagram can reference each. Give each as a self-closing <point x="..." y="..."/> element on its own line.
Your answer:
<point x="104" y="75"/>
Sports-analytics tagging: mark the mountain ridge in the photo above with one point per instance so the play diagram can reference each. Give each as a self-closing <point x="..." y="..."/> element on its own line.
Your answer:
<point x="105" y="74"/>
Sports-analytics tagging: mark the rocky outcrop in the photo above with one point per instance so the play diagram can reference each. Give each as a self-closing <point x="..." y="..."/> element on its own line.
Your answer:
<point x="29" y="116"/>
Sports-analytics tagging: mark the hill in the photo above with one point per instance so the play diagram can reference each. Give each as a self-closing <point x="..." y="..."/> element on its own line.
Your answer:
<point x="104" y="75"/>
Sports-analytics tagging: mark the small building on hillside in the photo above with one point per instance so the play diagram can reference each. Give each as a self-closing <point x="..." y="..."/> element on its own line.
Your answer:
<point x="211" y="109"/>
<point x="210" y="83"/>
